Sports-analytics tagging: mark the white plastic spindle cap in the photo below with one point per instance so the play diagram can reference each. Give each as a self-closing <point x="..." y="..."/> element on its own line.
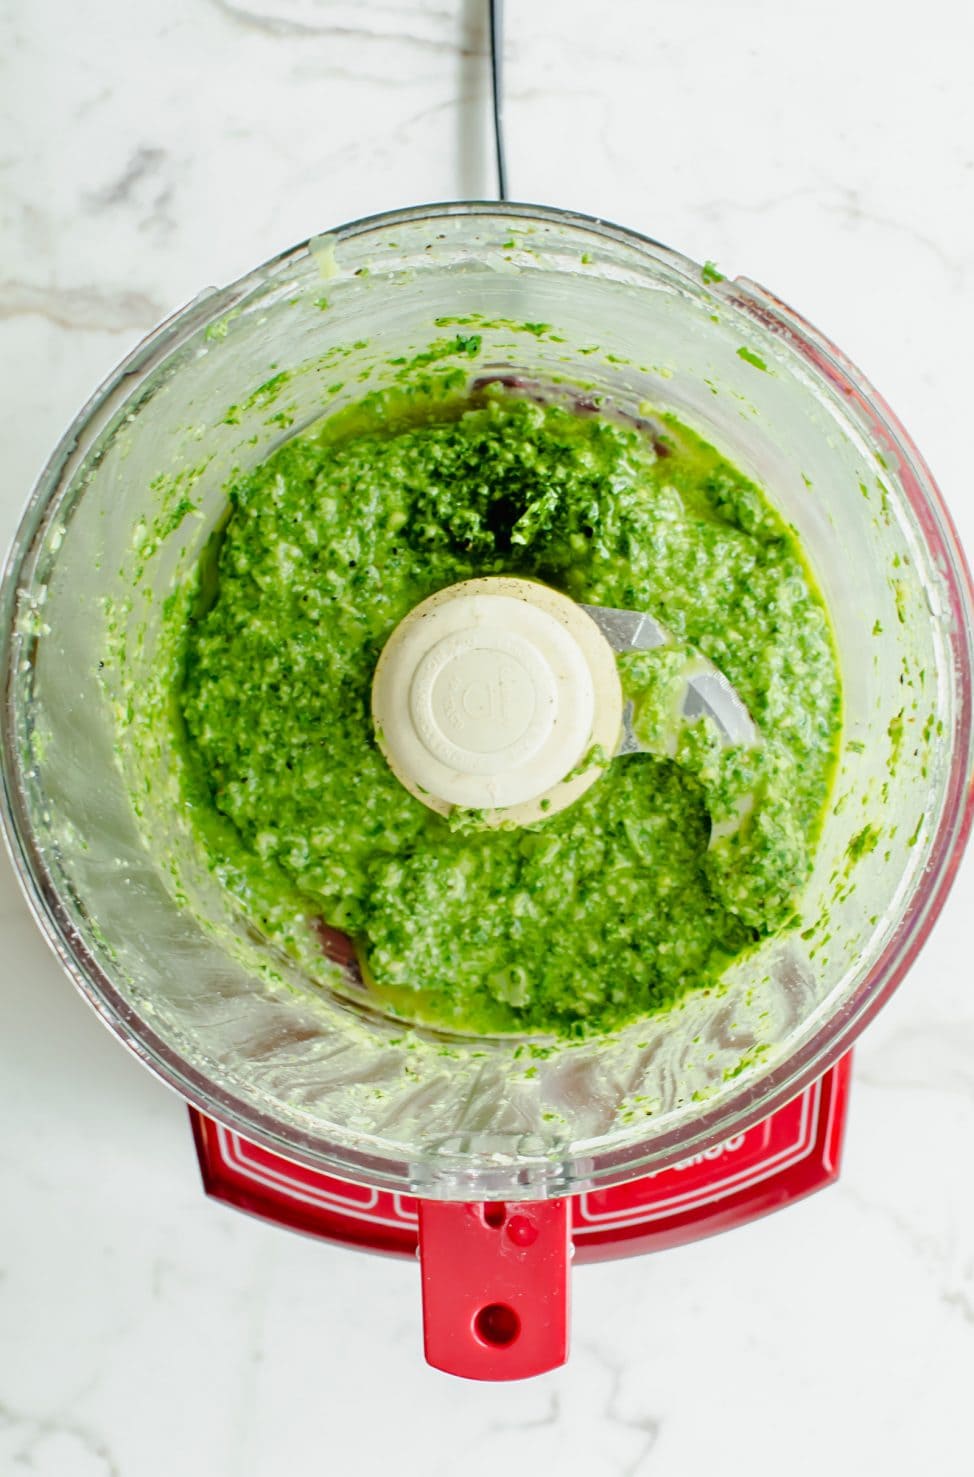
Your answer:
<point x="490" y="693"/>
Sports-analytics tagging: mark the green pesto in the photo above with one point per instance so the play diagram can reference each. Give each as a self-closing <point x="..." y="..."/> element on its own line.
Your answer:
<point x="863" y="842"/>
<point x="605" y="912"/>
<point x="749" y="357"/>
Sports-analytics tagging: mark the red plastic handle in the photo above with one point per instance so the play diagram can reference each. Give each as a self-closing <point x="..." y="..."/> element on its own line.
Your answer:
<point x="495" y="1287"/>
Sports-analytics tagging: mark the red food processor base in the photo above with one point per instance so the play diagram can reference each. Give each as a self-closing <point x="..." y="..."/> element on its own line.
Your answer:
<point x="793" y="1152"/>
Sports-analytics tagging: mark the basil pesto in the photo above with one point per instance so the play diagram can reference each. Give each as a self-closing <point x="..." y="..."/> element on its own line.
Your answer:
<point x="647" y="886"/>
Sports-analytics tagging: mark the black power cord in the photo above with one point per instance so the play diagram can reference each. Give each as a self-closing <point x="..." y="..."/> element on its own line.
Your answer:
<point x="497" y="97"/>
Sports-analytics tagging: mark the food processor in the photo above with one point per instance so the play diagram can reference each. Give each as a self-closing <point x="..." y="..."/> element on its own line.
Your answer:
<point x="496" y="1156"/>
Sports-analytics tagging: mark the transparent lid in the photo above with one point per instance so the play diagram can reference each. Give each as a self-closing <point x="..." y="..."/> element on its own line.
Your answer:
<point x="125" y="507"/>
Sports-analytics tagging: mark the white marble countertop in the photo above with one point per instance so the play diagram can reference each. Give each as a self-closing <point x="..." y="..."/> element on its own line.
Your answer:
<point x="146" y="151"/>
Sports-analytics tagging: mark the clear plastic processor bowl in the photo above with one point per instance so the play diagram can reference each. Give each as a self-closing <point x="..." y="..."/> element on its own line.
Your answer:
<point x="123" y="509"/>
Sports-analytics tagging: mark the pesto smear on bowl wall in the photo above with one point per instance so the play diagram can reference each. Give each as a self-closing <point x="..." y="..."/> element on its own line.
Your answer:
<point x="610" y="910"/>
